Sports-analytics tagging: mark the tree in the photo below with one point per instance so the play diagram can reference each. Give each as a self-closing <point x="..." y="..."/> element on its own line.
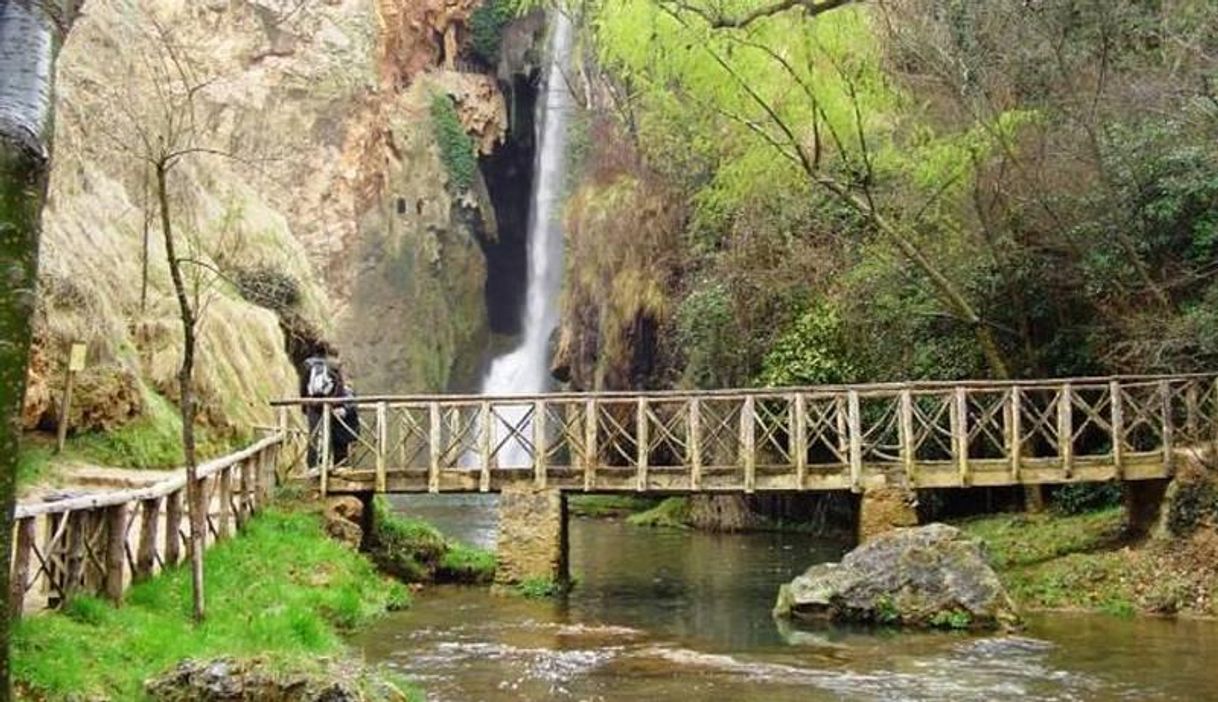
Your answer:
<point x="30" y="36"/>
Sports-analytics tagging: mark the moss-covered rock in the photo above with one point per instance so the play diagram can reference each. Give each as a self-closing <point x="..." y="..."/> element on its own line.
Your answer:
<point x="931" y="576"/>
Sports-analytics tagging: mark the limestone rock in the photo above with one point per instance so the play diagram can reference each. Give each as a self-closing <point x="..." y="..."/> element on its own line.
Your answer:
<point x="232" y="680"/>
<point x="344" y="517"/>
<point x="926" y="576"/>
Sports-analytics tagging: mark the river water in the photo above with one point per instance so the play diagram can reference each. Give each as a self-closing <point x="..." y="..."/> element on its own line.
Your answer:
<point x="681" y="615"/>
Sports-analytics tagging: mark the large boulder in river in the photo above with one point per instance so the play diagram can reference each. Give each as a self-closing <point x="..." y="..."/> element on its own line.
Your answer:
<point x="257" y="680"/>
<point x="931" y="576"/>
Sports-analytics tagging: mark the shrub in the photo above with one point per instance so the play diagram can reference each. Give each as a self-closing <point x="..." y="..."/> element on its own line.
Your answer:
<point x="1086" y="497"/>
<point x="486" y="25"/>
<point x="456" y="146"/>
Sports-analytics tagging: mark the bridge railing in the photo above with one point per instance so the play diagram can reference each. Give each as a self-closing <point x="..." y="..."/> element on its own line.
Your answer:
<point x="833" y="437"/>
<point x="102" y="543"/>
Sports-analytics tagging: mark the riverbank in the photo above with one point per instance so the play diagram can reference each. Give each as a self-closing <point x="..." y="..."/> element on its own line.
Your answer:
<point x="283" y="592"/>
<point x="1086" y="562"/>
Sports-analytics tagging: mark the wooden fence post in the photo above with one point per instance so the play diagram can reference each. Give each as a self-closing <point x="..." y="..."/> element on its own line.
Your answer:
<point x="75" y="555"/>
<point x="591" y="450"/>
<point x="1117" y="419"/>
<point x="539" y="443"/>
<point x="173" y="528"/>
<point x="855" y="437"/>
<point x="23" y="549"/>
<point x="226" y="503"/>
<point x="906" y="438"/>
<point x="959" y="422"/>
<point x="145" y="558"/>
<point x="326" y="454"/>
<point x="116" y="543"/>
<point x="1169" y="467"/>
<point x="642" y="442"/>
<point x="382" y="444"/>
<point x="1015" y="433"/>
<point x="748" y="433"/>
<point x="799" y="430"/>
<point x="434" y="442"/>
<point x="695" y="444"/>
<point x="486" y="437"/>
<point x="1065" y="429"/>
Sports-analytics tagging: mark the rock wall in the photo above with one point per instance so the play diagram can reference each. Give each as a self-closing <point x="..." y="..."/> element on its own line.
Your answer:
<point x="315" y="161"/>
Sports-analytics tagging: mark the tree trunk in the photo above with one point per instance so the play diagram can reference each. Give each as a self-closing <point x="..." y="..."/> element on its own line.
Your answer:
<point x="29" y="40"/>
<point x="196" y="503"/>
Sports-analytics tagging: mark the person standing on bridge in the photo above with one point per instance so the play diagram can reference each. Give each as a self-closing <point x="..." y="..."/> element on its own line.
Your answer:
<point x="321" y="379"/>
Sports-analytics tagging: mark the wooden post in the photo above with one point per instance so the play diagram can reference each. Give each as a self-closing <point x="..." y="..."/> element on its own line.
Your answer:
<point x="226" y="503"/>
<point x="642" y="442"/>
<point x="145" y="558"/>
<point x="1065" y="429"/>
<point x="959" y="422"/>
<point x="246" y="503"/>
<point x="843" y="430"/>
<point x="539" y="443"/>
<point x="906" y="438"/>
<point x="1169" y="468"/>
<point x="326" y="454"/>
<point x="76" y="363"/>
<point x="1118" y="428"/>
<point x="173" y="528"/>
<point x="1190" y="409"/>
<point x="75" y="554"/>
<point x="1015" y="434"/>
<point x="695" y="444"/>
<point x="799" y="431"/>
<point x="382" y="444"/>
<point x="116" y="543"/>
<point x="434" y="442"/>
<point x="20" y="581"/>
<point x="284" y="431"/>
<point x="748" y="453"/>
<point x="855" y="436"/>
<point x="591" y="451"/>
<point x="486" y="436"/>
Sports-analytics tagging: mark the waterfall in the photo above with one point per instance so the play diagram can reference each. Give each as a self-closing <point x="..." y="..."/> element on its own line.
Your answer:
<point x="525" y="369"/>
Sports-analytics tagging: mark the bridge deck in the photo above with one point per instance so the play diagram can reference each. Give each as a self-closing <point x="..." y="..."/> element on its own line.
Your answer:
<point x="791" y="439"/>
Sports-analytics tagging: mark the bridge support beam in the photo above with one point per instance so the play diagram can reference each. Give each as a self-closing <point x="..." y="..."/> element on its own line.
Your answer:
<point x="1146" y="506"/>
<point x="884" y="509"/>
<point x="532" y="536"/>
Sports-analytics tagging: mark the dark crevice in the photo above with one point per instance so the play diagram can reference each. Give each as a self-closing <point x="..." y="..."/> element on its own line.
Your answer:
<point x="508" y="173"/>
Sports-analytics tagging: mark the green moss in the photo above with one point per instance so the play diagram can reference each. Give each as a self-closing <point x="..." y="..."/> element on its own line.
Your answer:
<point x="456" y="146"/>
<point x="284" y="591"/>
<point x="486" y="25"/>
<point x="153" y="441"/>
<point x="672" y="513"/>
<point x="955" y="619"/>
<point x="597" y="506"/>
<point x="539" y="588"/>
<point x="466" y="564"/>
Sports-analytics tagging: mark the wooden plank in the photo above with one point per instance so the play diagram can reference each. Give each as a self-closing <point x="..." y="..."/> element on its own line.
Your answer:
<point x="382" y="443"/>
<point x="1015" y="434"/>
<point x="173" y="528"/>
<point x="22" y="551"/>
<point x="326" y="454"/>
<point x="748" y="451"/>
<point x="799" y="431"/>
<point x="434" y="440"/>
<point x="145" y="559"/>
<point x="116" y="543"/>
<point x="906" y="437"/>
<point x="1169" y="462"/>
<point x="486" y="438"/>
<point x="855" y="437"/>
<point x="226" y="502"/>
<point x="75" y="553"/>
<point x="539" y="443"/>
<point x="591" y="451"/>
<point x="642" y="443"/>
<point x="1117" y="419"/>
<point x="959" y="428"/>
<point x="1065" y="429"/>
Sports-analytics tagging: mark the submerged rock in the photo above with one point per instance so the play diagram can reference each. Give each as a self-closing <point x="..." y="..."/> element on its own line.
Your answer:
<point x="931" y="576"/>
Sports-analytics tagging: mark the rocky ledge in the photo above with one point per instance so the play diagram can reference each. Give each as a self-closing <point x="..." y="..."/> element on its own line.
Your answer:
<point x="931" y="576"/>
<point x="255" y="680"/>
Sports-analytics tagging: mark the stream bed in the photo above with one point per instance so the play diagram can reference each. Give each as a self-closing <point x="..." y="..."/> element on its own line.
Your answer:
<point x="683" y="615"/>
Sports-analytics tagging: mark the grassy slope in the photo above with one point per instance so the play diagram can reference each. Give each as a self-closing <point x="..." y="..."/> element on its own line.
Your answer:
<point x="1081" y="562"/>
<point x="283" y="591"/>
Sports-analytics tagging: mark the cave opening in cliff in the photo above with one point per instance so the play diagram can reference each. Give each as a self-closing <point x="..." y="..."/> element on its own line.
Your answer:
<point x="509" y="173"/>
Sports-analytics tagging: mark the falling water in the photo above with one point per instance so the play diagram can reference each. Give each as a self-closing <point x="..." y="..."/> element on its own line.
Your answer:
<point x="525" y="369"/>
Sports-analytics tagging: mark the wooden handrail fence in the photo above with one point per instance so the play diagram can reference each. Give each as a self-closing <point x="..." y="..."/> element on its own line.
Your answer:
<point x="845" y="437"/>
<point x="102" y="543"/>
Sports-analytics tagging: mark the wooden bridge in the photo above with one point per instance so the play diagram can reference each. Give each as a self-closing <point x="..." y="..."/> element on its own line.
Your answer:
<point x="854" y="437"/>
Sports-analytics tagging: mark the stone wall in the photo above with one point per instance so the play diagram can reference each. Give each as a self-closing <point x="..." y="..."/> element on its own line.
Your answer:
<point x="532" y="536"/>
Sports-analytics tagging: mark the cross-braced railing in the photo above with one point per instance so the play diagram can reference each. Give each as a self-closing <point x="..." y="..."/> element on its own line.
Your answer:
<point x="103" y="542"/>
<point x="817" y="438"/>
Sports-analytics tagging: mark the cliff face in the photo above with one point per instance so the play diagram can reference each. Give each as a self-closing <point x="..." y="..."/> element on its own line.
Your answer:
<point x="320" y="171"/>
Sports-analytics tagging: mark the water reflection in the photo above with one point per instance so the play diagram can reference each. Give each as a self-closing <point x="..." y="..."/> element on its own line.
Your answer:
<point x="671" y="615"/>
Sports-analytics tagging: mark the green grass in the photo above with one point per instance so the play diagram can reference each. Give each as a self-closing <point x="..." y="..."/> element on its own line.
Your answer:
<point x="283" y="591"/>
<point x="466" y="564"/>
<point x="1060" y="562"/>
<point x="154" y="441"/>
<point x="598" y="506"/>
<point x="672" y="513"/>
<point x="415" y="551"/>
<point x="33" y="464"/>
<point x="538" y="588"/>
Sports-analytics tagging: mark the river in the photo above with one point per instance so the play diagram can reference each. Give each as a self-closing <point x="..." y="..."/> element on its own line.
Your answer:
<point x="682" y="615"/>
